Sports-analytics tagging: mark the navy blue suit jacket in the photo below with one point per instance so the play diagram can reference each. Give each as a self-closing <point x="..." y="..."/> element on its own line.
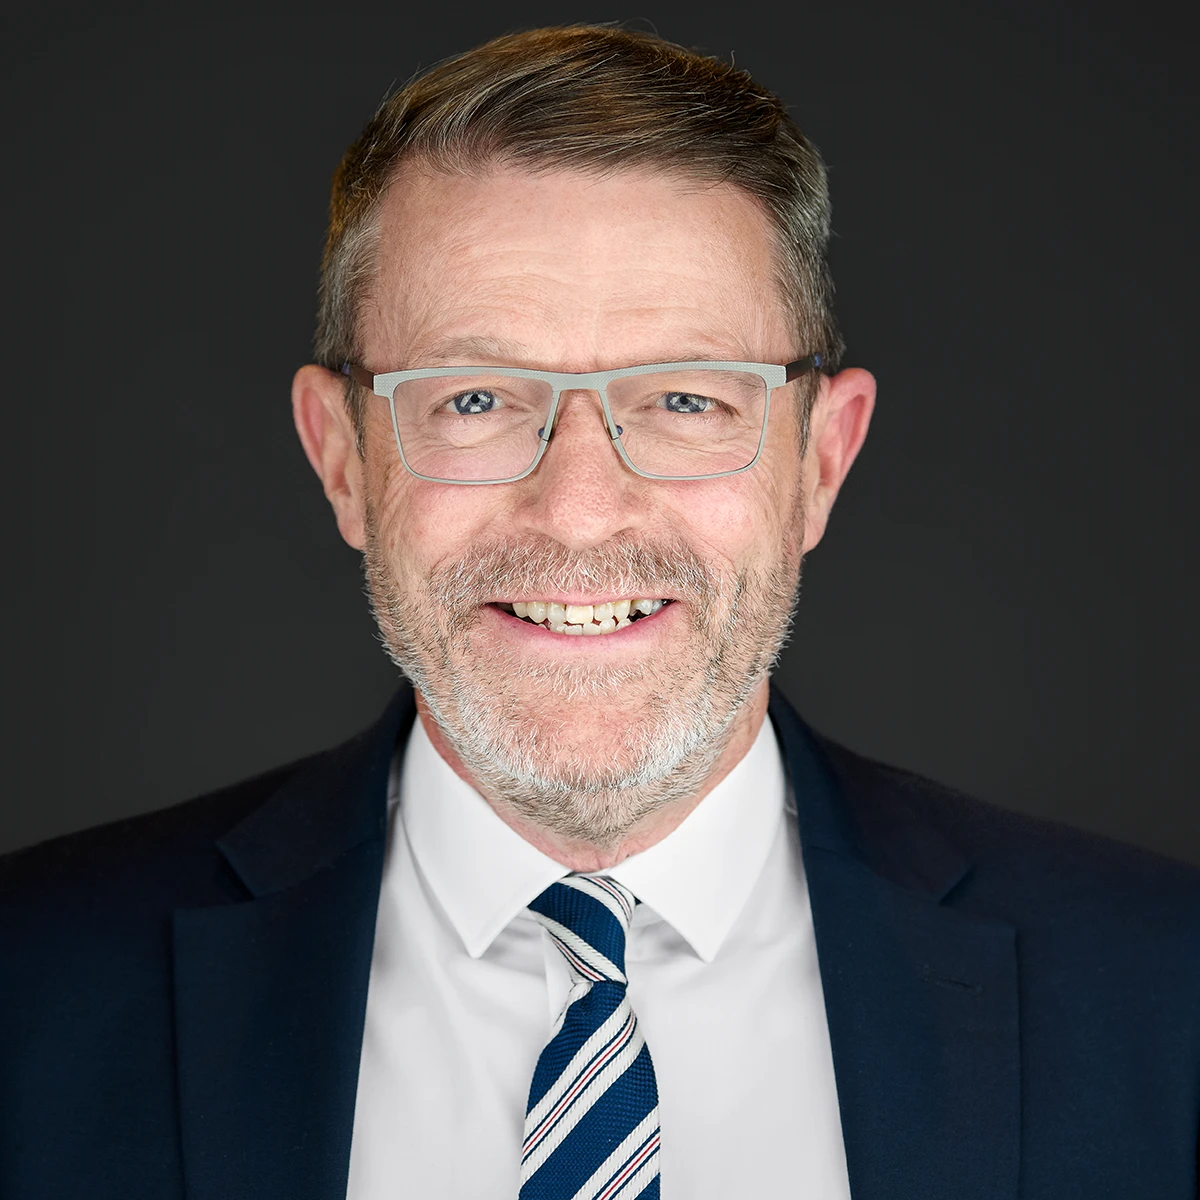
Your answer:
<point x="1014" y="1006"/>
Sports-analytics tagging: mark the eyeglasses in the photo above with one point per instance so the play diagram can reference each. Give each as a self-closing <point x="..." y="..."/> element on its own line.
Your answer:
<point x="684" y="420"/>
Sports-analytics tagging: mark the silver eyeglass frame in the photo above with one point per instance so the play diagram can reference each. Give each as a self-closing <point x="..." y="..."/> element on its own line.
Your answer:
<point x="773" y="376"/>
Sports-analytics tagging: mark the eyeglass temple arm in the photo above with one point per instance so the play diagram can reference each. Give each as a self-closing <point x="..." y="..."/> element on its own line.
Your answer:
<point x="359" y="375"/>
<point x="802" y="366"/>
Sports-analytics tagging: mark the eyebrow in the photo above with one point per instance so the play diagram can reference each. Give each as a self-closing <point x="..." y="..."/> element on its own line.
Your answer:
<point x="469" y="351"/>
<point x="482" y="350"/>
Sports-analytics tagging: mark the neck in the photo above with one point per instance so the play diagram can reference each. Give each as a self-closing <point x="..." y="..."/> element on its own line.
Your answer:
<point x="584" y="856"/>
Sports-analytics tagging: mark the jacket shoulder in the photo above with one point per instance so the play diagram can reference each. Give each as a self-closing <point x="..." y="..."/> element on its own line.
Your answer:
<point x="140" y="869"/>
<point x="1045" y="863"/>
<point x="170" y="851"/>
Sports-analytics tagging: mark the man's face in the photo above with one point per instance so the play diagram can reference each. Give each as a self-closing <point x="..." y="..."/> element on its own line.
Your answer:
<point x="583" y="735"/>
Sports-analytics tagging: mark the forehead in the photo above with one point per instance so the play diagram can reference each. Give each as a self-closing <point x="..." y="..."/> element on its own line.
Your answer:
<point x="572" y="271"/>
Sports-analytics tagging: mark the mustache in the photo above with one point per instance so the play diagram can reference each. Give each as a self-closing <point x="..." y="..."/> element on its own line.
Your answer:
<point x="538" y="566"/>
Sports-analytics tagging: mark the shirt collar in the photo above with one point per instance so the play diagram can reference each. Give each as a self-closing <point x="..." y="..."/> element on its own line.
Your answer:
<point x="698" y="878"/>
<point x="481" y="872"/>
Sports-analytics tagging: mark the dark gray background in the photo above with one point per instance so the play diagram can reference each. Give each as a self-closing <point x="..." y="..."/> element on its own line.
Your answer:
<point x="1005" y="599"/>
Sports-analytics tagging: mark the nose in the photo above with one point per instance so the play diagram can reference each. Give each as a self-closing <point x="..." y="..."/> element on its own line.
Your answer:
<point x="581" y="493"/>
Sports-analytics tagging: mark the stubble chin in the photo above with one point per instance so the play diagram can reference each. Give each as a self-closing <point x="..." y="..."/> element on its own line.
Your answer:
<point x="588" y="751"/>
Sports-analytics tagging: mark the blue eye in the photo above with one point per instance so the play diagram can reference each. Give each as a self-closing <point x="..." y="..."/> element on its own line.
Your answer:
<point x="685" y="402"/>
<point x="469" y="403"/>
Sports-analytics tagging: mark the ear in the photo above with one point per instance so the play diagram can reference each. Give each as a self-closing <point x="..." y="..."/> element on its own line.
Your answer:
<point x="327" y="435"/>
<point x="837" y="430"/>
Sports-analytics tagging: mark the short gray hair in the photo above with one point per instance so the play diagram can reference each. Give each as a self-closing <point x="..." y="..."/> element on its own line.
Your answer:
<point x="585" y="97"/>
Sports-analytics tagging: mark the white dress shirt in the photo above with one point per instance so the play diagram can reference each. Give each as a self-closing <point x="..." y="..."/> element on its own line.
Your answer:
<point x="466" y="989"/>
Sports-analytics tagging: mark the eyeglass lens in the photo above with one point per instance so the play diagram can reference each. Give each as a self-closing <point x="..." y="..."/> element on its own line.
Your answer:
<point x="478" y="427"/>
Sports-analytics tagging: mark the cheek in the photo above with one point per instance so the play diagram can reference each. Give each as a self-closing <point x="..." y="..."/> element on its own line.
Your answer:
<point x="426" y="524"/>
<point x="747" y="517"/>
<point x="418" y="524"/>
<point x="739" y="521"/>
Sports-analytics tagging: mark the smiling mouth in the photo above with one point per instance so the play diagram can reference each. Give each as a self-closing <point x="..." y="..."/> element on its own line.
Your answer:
<point x="583" y="620"/>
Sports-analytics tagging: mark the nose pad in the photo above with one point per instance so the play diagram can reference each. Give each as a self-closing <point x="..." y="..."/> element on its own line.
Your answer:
<point x="545" y="435"/>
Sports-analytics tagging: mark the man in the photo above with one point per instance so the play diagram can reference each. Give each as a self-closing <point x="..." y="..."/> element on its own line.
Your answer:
<point x="590" y="911"/>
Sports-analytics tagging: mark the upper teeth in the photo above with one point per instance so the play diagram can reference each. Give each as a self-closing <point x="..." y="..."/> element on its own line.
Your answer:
<point x="584" y="618"/>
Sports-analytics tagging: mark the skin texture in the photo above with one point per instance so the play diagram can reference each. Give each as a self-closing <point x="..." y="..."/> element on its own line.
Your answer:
<point x="572" y="272"/>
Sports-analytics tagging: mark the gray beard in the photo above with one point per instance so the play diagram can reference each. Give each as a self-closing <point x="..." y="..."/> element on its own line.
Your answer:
<point x="663" y="753"/>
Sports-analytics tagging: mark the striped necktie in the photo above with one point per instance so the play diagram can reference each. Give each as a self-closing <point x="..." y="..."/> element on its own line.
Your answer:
<point x="591" y="1127"/>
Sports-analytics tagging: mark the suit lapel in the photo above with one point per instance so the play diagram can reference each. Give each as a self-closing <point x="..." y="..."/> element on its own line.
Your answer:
<point x="921" y="998"/>
<point x="271" y="993"/>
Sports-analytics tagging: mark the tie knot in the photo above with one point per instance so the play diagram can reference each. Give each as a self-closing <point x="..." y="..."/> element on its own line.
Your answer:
<point x="588" y="917"/>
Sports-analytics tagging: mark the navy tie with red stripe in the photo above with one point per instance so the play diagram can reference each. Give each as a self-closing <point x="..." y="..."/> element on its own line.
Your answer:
<point x="591" y="1127"/>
